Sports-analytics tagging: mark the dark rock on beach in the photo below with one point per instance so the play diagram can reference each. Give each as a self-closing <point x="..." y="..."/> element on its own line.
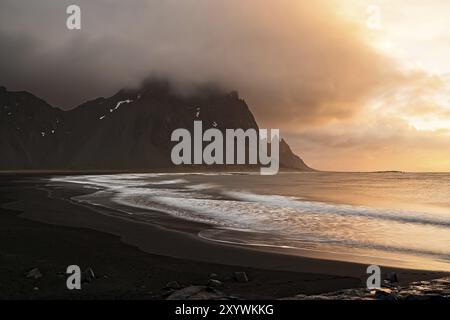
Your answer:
<point x="438" y="289"/>
<point x="34" y="274"/>
<point x="392" y="277"/>
<point x="88" y="276"/>
<point x="214" y="283"/>
<point x="241" y="277"/>
<point x="173" y="285"/>
<point x="199" y="293"/>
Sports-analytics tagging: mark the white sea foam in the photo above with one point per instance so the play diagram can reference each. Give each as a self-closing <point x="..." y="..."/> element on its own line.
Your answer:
<point x="340" y="209"/>
<point x="274" y="220"/>
<point x="202" y="186"/>
<point x="174" y="181"/>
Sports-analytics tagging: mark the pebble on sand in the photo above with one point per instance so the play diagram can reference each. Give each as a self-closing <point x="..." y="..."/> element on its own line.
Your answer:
<point x="241" y="276"/>
<point x="34" y="274"/>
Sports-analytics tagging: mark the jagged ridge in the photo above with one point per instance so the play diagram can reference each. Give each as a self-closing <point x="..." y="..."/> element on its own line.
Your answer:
<point x="127" y="131"/>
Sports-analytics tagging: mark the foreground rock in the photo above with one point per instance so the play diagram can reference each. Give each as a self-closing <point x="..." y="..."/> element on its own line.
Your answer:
<point x="214" y="283"/>
<point x="438" y="289"/>
<point x="199" y="293"/>
<point x="241" y="277"/>
<point x="173" y="285"/>
<point x="392" y="277"/>
<point x="88" y="276"/>
<point x="34" y="274"/>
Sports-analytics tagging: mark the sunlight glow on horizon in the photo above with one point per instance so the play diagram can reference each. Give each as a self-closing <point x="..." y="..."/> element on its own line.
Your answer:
<point x="405" y="128"/>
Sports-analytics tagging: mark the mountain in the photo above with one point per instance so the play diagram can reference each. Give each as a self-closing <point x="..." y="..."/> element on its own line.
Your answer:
<point x="127" y="131"/>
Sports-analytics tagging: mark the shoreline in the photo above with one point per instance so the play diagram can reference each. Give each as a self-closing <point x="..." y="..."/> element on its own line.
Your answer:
<point x="201" y="230"/>
<point x="273" y="275"/>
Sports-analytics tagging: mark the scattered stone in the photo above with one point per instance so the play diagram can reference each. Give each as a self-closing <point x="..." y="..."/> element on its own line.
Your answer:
<point x="306" y="297"/>
<point x="186" y="293"/>
<point x="392" y="277"/>
<point x="34" y="274"/>
<point x="214" y="283"/>
<point x="173" y="285"/>
<point x="384" y="294"/>
<point x="36" y="289"/>
<point x="438" y="289"/>
<point x="199" y="293"/>
<point x="88" y="276"/>
<point x="241" y="276"/>
<point x="213" y="276"/>
<point x="389" y="284"/>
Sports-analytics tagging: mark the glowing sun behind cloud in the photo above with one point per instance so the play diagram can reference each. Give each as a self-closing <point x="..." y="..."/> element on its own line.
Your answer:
<point x="352" y="84"/>
<point x="406" y="124"/>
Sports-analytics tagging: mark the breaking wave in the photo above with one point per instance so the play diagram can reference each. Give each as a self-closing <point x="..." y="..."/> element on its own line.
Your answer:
<point x="247" y="218"/>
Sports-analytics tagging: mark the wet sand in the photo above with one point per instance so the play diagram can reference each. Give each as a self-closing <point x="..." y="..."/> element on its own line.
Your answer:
<point x="135" y="260"/>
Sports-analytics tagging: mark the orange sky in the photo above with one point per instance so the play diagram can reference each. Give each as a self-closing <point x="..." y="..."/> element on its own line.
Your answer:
<point x="347" y="90"/>
<point x="404" y="123"/>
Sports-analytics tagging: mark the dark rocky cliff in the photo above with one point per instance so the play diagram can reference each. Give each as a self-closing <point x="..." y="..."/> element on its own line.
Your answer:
<point x="128" y="131"/>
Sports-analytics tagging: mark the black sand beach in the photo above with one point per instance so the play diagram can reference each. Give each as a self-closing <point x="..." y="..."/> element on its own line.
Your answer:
<point x="134" y="260"/>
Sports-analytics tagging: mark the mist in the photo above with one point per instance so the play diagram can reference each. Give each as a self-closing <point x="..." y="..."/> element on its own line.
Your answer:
<point x="296" y="63"/>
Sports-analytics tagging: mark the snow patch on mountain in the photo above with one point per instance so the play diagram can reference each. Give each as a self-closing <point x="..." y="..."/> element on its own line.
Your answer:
<point x="122" y="102"/>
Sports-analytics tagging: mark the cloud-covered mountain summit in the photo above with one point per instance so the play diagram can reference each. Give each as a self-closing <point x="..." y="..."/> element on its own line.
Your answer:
<point x="128" y="131"/>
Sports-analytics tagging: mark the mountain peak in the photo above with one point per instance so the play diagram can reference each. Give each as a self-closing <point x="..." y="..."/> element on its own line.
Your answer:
<point x="130" y="130"/>
<point x="163" y="87"/>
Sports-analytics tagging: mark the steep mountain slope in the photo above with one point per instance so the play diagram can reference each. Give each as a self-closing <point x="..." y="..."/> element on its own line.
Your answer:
<point x="128" y="131"/>
<point x="31" y="132"/>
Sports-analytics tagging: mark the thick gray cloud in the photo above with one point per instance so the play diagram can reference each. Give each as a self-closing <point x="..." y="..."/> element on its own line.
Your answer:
<point x="295" y="62"/>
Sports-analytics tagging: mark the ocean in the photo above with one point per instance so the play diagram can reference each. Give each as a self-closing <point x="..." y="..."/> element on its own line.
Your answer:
<point x="395" y="219"/>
